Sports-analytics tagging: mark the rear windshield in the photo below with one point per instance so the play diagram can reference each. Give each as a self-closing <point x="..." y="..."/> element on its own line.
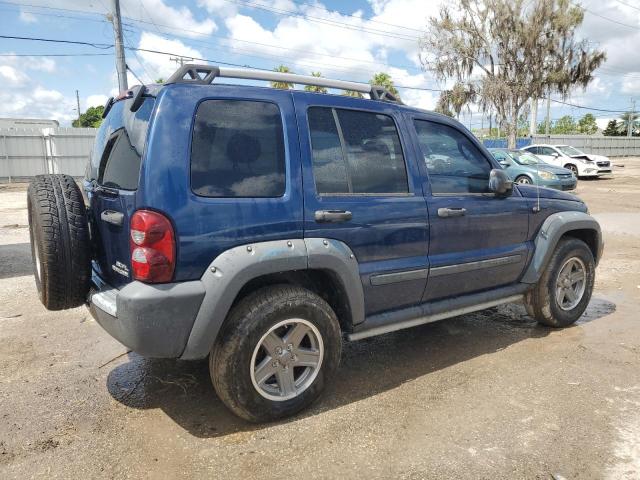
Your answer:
<point x="119" y="145"/>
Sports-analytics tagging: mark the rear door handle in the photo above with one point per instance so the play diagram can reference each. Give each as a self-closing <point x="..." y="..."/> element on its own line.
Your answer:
<point x="332" y="216"/>
<point x="112" y="217"/>
<point x="451" y="212"/>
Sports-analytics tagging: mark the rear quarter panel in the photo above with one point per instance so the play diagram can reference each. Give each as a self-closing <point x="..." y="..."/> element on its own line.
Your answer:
<point x="205" y="226"/>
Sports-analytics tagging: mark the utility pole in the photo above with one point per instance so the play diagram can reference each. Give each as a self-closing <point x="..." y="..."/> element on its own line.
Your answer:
<point x="121" y="64"/>
<point x="547" y="123"/>
<point x="630" y="119"/>
<point x="78" y="102"/>
<point x="181" y="60"/>
<point x="533" y="122"/>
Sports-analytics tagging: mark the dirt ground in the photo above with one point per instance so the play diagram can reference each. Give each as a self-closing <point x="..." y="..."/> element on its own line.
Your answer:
<point x="488" y="395"/>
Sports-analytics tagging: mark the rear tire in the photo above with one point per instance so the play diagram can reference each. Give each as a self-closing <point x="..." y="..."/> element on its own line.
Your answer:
<point x="564" y="290"/>
<point x="59" y="236"/>
<point x="252" y="358"/>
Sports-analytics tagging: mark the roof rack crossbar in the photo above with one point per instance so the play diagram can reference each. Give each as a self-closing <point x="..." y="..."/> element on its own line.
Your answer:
<point x="205" y="74"/>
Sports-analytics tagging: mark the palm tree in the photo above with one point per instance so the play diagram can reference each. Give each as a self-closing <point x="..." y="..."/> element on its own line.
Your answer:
<point x="282" y="85"/>
<point x="629" y="117"/>
<point x="315" y="88"/>
<point x="384" y="80"/>
<point x="352" y="93"/>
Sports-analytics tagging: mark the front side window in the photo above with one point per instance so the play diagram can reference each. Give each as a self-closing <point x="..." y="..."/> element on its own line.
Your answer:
<point x="356" y="152"/>
<point x="238" y="150"/>
<point x="454" y="163"/>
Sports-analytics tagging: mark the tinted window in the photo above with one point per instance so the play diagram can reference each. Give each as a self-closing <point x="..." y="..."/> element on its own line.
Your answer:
<point x="238" y="150"/>
<point x="329" y="165"/>
<point x="368" y="160"/>
<point x="546" y="151"/>
<point x="135" y="126"/>
<point x="534" y="150"/>
<point x="120" y="167"/>
<point x="455" y="165"/>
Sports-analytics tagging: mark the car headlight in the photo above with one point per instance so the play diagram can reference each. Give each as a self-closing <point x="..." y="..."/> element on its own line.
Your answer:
<point x="547" y="175"/>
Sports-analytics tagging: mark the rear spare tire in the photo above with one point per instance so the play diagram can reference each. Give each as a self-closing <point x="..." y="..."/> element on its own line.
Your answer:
<point x="59" y="235"/>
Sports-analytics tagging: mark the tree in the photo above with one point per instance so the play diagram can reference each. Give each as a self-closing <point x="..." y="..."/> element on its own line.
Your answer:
<point x="508" y="51"/>
<point x="282" y="85"/>
<point x="625" y="119"/>
<point x="587" y="125"/>
<point x="383" y="79"/>
<point x="352" y="93"/>
<point x="315" y="88"/>
<point x="564" y="126"/>
<point x="91" y="118"/>
<point x="455" y="99"/>
<point x="160" y="80"/>
<point x="612" y="130"/>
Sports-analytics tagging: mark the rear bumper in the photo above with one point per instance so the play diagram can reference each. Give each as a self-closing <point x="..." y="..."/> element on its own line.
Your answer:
<point x="152" y="320"/>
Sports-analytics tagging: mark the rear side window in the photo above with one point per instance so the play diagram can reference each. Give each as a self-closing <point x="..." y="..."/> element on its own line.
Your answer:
<point x="120" y="167"/>
<point x="454" y="163"/>
<point x="356" y="152"/>
<point x="238" y="150"/>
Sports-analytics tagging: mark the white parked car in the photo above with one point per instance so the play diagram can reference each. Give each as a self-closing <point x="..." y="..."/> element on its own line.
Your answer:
<point x="580" y="163"/>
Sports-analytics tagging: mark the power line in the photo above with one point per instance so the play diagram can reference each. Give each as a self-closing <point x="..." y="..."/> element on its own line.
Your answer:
<point x="54" y="54"/>
<point x="105" y="46"/>
<point x="325" y="21"/>
<point x="627" y="5"/>
<point x="636" y="27"/>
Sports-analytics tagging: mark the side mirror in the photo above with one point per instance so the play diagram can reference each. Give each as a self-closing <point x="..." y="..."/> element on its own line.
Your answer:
<point x="500" y="183"/>
<point x="555" y="154"/>
<point x="505" y="164"/>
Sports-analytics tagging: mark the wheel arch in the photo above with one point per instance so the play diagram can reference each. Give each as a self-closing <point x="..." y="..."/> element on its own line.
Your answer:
<point x="326" y="267"/>
<point x="578" y="225"/>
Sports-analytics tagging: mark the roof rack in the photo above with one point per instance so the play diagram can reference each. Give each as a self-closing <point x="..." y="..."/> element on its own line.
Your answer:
<point x="206" y="74"/>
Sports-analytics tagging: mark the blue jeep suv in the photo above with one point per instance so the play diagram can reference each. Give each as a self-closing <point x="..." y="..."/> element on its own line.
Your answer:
<point x="260" y="227"/>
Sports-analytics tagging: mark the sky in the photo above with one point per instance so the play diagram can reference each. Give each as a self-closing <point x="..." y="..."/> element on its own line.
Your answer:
<point x="349" y="40"/>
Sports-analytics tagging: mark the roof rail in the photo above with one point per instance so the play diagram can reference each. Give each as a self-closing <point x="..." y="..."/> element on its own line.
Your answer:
<point x="205" y="74"/>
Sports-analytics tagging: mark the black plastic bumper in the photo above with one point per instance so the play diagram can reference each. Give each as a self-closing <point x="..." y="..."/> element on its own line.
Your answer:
<point x="152" y="320"/>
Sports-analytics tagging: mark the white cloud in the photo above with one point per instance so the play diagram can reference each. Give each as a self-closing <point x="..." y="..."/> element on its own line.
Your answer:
<point x="95" y="101"/>
<point x="27" y="17"/>
<point x="44" y="95"/>
<point x="159" y="64"/>
<point x="164" y="18"/>
<point x="11" y="76"/>
<point x="631" y="83"/>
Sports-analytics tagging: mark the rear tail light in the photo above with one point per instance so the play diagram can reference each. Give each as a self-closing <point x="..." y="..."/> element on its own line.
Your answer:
<point x="153" y="247"/>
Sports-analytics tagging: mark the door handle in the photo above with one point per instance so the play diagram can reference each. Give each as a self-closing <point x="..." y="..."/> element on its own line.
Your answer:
<point x="332" y="216"/>
<point x="112" y="217"/>
<point x="451" y="212"/>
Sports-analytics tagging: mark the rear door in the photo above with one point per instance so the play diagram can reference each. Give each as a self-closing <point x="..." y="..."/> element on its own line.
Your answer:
<point x="358" y="170"/>
<point x="478" y="241"/>
<point x="111" y="184"/>
<point x="549" y="155"/>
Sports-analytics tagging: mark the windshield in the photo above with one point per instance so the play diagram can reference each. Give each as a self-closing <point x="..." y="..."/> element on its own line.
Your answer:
<point x="525" y="158"/>
<point x="568" y="150"/>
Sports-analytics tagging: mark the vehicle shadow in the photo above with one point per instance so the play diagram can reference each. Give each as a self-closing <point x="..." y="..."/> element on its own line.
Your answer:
<point x="183" y="389"/>
<point x="15" y="260"/>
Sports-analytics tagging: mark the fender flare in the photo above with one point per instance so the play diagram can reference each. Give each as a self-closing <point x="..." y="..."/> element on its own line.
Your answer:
<point x="232" y="269"/>
<point x="553" y="228"/>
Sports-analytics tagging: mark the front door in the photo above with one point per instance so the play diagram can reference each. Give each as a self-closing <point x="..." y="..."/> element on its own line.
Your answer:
<point x="478" y="241"/>
<point x="362" y="187"/>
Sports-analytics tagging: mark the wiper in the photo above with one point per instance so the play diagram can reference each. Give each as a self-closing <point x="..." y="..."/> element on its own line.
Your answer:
<point x="96" y="188"/>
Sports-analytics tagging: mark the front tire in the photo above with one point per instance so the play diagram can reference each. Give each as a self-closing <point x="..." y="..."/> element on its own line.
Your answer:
<point x="564" y="290"/>
<point x="524" y="180"/>
<point x="573" y="168"/>
<point x="277" y="349"/>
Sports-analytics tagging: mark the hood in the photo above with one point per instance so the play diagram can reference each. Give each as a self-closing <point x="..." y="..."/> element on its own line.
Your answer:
<point x="530" y="191"/>
<point x="546" y="167"/>
<point x="583" y="157"/>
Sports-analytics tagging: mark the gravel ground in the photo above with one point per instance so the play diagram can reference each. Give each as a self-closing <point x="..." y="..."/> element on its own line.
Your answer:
<point x="488" y="395"/>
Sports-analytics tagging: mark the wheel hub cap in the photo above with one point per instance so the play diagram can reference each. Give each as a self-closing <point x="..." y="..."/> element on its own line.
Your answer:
<point x="287" y="359"/>
<point x="571" y="283"/>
